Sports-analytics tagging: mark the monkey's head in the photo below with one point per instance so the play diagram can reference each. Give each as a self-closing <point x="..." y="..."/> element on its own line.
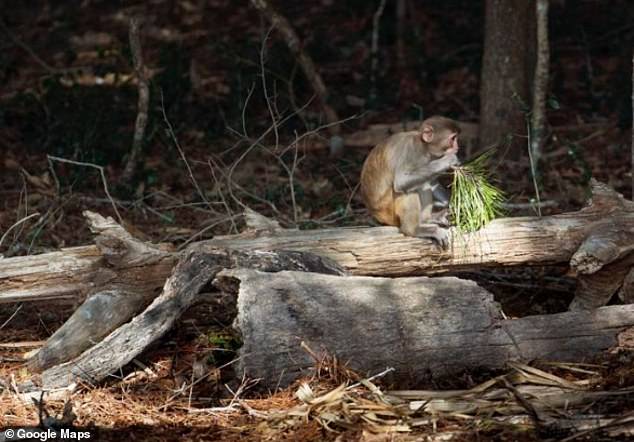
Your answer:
<point x="440" y="134"/>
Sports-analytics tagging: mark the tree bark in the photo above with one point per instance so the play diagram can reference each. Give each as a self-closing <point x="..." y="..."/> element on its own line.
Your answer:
<point x="540" y="84"/>
<point x="507" y="69"/>
<point x="420" y="326"/>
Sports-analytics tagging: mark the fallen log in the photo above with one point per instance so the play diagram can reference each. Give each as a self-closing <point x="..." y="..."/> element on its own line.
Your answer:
<point x="194" y="271"/>
<point x="128" y="273"/>
<point x="381" y="251"/>
<point x="420" y="326"/>
<point x="121" y="251"/>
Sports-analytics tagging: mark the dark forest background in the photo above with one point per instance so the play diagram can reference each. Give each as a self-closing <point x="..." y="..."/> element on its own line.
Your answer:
<point x="69" y="90"/>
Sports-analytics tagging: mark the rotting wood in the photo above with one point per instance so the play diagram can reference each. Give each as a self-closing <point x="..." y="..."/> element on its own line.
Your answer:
<point x="420" y="326"/>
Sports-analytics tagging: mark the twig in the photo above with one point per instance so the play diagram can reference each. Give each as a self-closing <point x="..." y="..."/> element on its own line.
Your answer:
<point x="371" y="378"/>
<point x="274" y="120"/>
<point x="170" y="131"/>
<point x="103" y="179"/>
<point x="50" y="69"/>
<point x="223" y="200"/>
<point x="533" y="169"/>
<point x="197" y="381"/>
<point x="269" y="105"/>
<point x="17" y="223"/>
<point x="308" y="66"/>
<point x="144" y="98"/>
<point x="521" y="206"/>
<point x="11" y="317"/>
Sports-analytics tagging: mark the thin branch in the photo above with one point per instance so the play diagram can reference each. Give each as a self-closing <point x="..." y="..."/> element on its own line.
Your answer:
<point x="531" y="160"/>
<point x="103" y="179"/>
<point x="170" y="131"/>
<point x="17" y="223"/>
<point x="50" y="69"/>
<point x="12" y="316"/>
<point x="308" y="66"/>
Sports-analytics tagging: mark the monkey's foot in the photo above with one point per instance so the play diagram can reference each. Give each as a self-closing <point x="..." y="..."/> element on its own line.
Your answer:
<point x="439" y="234"/>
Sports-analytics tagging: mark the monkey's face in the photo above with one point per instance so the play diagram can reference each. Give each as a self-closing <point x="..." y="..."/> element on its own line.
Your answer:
<point x="444" y="142"/>
<point x="440" y="134"/>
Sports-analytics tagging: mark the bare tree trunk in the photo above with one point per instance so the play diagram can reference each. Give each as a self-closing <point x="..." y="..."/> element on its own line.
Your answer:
<point x="540" y="83"/>
<point x="144" y="98"/>
<point x="506" y="73"/>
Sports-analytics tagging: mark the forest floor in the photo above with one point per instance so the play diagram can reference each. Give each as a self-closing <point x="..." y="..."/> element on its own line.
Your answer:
<point x="68" y="93"/>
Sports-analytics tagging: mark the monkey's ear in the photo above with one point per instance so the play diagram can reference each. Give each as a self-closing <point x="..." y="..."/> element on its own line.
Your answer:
<point x="427" y="133"/>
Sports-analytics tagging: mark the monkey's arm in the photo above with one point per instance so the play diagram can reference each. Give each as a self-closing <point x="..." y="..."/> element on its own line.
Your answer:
<point x="407" y="179"/>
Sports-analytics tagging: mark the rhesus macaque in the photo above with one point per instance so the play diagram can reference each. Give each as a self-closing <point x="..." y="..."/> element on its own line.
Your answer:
<point x="398" y="179"/>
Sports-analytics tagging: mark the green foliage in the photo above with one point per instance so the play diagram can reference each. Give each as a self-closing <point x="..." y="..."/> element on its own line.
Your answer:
<point x="225" y="345"/>
<point x="224" y="341"/>
<point x="474" y="199"/>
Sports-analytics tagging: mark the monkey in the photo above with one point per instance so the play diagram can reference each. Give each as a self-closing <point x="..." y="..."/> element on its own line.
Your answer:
<point x="399" y="178"/>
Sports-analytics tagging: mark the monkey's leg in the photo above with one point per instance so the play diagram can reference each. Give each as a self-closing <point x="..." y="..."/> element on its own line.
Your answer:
<point x="426" y="198"/>
<point x="407" y="209"/>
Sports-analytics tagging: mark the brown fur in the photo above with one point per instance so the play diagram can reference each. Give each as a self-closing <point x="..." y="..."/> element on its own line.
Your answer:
<point x="403" y="150"/>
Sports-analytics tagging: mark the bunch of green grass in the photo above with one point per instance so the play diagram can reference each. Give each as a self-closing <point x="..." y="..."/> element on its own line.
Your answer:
<point x="474" y="199"/>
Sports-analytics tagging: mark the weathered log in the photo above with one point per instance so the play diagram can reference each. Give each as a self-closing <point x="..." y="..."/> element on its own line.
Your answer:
<point x="122" y="292"/>
<point x="420" y="326"/>
<point x="117" y="261"/>
<point x="381" y="251"/>
<point x="193" y="271"/>
<point x="100" y="314"/>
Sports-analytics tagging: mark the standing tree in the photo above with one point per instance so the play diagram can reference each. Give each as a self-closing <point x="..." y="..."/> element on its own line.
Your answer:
<point x="507" y="73"/>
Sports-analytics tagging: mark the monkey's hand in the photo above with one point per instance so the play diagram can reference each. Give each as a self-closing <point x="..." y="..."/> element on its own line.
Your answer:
<point x="445" y="162"/>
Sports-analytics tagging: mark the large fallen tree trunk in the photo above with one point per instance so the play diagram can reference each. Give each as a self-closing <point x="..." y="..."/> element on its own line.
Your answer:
<point x="598" y="239"/>
<point x="420" y="326"/>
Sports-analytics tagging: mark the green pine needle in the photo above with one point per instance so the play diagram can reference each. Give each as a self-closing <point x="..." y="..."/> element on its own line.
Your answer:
<point x="474" y="199"/>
